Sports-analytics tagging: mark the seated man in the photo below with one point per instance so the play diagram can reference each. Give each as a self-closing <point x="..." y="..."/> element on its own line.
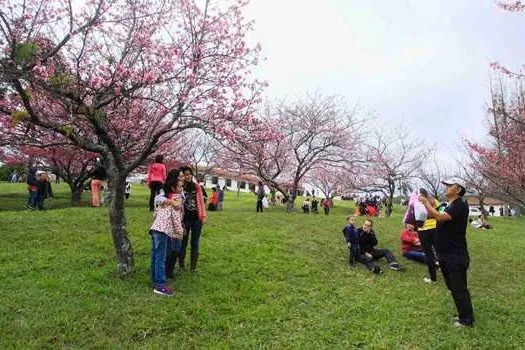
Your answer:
<point x="367" y="242"/>
<point x="411" y="245"/>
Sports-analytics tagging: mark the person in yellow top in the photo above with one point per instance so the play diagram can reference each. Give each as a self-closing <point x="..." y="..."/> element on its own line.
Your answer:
<point x="426" y="237"/>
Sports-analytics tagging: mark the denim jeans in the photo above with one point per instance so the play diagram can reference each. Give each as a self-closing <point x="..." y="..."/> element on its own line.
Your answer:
<point x="193" y="226"/>
<point x="159" y="242"/>
<point x="416" y="255"/>
<point x="40" y="201"/>
<point x="454" y="268"/>
<point x="173" y="245"/>
<point x="31" y="201"/>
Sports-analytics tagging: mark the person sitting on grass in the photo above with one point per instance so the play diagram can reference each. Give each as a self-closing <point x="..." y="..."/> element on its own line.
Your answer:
<point x="481" y="223"/>
<point x="411" y="245"/>
<point x="369" y="254"/>
<point x="352" y="240"/>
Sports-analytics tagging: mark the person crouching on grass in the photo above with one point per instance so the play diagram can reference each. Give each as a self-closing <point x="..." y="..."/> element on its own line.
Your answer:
<point x="369" y="254"/>
<point x="166" y="233"/>
<point x="451" y="247"/>
<point x="352" y="240"/>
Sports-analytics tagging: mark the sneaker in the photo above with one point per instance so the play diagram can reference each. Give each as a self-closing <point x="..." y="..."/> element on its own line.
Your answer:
<point x="428" y="280"/>
<point x="460" y="324"/>
<point x="377" y="270"/>
<point x="163" y="290"/>
<point x="395" y="266"/>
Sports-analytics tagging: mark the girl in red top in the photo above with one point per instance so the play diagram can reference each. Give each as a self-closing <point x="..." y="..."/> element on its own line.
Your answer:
<point x="411" y="245"/>
<point x="156" y="179"/>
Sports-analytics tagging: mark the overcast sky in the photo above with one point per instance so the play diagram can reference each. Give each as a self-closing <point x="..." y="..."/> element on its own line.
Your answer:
<point x="420" y="63"/>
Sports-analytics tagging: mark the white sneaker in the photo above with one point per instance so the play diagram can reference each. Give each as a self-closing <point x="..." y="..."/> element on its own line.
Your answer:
<point x="428" y="280"/>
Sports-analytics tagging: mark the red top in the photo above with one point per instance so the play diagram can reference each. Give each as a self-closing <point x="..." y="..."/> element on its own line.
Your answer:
<point x="214" y="198"/>
<point x="156" y="172"/>
<point x="408" y="240"/>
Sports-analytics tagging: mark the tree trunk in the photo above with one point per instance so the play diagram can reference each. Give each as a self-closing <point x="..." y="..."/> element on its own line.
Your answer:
<point x="272" y="196"/>
<point x="117" y="219"/>
<point x="389" y="205"/>
<point x="76" y="192"/>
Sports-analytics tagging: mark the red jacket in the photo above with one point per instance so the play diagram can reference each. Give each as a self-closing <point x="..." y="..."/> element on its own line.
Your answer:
<point x="408" y="240"/>
<point x="156" y="172"/>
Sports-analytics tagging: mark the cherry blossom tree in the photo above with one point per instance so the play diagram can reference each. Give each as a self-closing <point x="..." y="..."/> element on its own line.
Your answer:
<point x="393" y="158"/>
<point x="120" y="78"/>
<point x="501" y="161"/>
<point x="308" y="133"/>
<point x="431" y="174"/>
<point x="198" y="149"/>
<point x="330" y="179"/>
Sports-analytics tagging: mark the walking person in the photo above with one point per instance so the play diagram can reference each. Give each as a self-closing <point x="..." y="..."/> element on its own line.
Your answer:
<point x="327" y="204"/>
<point x="32" y="188"/>
<point x="451" y="247"/>
<point x="194" y="217"/>
<point x="97" y="177"/>
<point x="220" y="198"/>
<point x="260" y="197"/>
<point x="13" y="178"/>
<point x="156" y="178"/>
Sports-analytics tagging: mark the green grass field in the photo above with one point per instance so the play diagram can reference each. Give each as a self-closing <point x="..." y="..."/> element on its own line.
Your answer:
<point x="273" y="280"/>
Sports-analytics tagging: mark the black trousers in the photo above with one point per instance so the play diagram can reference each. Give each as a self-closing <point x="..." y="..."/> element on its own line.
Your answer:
<point x="376" y="255"/>
<point x="155" y="187"/>
<point x="454" y="268"/>
<point x="427" y="243"/>
<point x="259" y="205"/>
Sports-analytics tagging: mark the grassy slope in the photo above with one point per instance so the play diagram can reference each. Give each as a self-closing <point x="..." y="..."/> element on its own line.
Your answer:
<point x="274" y="280"/>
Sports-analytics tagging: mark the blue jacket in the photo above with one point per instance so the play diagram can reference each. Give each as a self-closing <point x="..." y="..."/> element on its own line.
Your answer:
<point x="351" y="235"/>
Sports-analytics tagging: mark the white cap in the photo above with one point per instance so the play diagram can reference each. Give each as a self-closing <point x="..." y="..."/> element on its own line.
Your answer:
<point x="455" y="181"/>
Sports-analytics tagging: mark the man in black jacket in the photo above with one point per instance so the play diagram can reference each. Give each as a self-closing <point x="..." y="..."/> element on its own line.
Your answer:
<point x="367" y="243"/>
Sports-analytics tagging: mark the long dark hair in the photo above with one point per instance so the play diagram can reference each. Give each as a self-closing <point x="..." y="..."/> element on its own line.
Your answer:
<point x="171" y="181"/>
<point x="190" y="185"/>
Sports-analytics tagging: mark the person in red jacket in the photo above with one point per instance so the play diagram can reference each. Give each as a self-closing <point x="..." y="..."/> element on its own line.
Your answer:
<point x="156" y="179"/>
<point x="411" y="245"/>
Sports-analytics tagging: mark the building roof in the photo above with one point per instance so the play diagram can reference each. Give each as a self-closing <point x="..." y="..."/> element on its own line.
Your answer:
<point x="225" y="173"/>
<point x="472" y="200"/>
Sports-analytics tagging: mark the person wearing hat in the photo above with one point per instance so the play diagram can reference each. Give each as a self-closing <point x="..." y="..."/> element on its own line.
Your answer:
<point x="451" y="247"/>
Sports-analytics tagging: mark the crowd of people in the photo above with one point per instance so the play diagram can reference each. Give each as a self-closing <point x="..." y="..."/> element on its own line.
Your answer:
<point x="433" y="234"/>
<point x="437" y="240"/>
<point x="368" y="205"/>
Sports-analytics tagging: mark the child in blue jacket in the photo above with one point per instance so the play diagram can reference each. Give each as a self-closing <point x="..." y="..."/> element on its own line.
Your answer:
<point x="352" y="240"/>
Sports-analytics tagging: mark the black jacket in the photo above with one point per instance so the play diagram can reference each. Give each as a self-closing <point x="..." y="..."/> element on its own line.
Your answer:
<point x="99" y="173"/>
<point x="367" y="241"/>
